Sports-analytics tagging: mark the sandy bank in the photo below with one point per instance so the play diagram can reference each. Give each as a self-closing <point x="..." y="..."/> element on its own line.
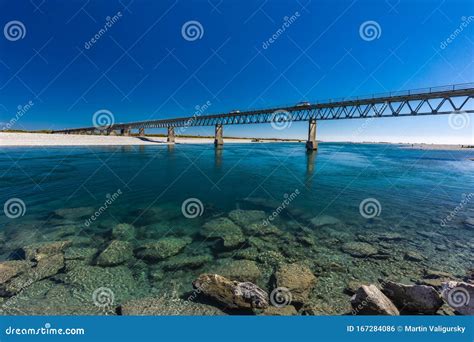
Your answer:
<point x="40" y="139"/>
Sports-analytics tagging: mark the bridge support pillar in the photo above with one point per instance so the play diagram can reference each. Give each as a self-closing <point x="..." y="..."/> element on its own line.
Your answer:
<point x="170" y="138"/>
<point x="219" y="136"/>
<point x="125" y="131"/>
<point x="141" y="132"/>
<point x="312" y="144"/>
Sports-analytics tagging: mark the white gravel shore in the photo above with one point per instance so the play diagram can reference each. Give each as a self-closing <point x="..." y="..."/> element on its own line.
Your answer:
<point x="42" y="139"/>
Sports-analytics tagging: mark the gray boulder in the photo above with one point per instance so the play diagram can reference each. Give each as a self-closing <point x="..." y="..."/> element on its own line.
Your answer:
<point x="413" y="298"/>
<point x="369" y="300"/>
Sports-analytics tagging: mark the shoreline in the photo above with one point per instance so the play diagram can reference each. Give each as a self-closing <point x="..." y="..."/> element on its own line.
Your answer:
<point x="45" y="139"/>
<point x="24" y="139"/>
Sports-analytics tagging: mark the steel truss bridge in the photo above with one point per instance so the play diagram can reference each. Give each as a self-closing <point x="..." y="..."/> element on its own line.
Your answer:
<point x="450" y="99"/>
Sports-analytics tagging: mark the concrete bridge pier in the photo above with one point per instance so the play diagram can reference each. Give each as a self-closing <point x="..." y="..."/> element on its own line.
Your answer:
<point x="219" y="135"/>
<point x="170" y="138"/>
<point x="141" y="132"/>
<point x="125" y="131"/>
<point x="312" y="144"/>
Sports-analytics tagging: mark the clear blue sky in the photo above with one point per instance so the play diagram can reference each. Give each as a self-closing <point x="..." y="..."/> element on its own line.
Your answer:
<point x="142" y="67"/>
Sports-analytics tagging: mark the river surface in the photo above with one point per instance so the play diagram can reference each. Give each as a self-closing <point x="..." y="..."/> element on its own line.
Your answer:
<point x="353" y="213"/>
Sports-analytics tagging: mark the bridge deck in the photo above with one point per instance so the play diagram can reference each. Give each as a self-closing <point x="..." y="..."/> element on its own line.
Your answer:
<point x="428" y="101"/>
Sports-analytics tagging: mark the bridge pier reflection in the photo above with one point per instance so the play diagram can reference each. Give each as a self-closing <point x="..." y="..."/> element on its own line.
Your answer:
<point x="218" y="156"/>
<point x="310" y="164"/>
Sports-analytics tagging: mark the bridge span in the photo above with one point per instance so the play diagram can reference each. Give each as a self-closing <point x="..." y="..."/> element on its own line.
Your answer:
<point x="452" y="99"/>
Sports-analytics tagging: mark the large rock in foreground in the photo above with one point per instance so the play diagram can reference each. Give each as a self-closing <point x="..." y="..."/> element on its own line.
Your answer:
<point x="369" y="300"/>
<point x="413" y="298"/>
<point x="232" y="294"/>
<point x="298" y="279"/>
<point x="459" y="296"/>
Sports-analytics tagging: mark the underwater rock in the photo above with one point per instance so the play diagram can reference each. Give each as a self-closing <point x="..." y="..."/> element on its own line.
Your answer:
<point x="118" y="281"/>
<point x="74" y="213"/>
<point x="241" y="270"/>
<point x="80" y="253"/>
<point x="164" y="306"/>
<point x="123" y="231"/>
<point x="186" y="261"/>
<point x="12" y="268"/>
<point x="223" y="229"/>
<point x="389" y="236"/>
<point x="38" y="250"/>
<point x="116" y="253"/>
<point x="359" y="249"/>
<point x="298" y="279"/>
<point x="245" y="218"/>
<point x="48" y="265"/>
<point x="325" y="220"/>
<point x="414" y="256"/>
<point x="250" y="253"/>
<point x="288" y="310"/>
<point x="352" y="286"/>
<point x="163" y="248"/>
<point x="369" y="300"/>
<point x="459" y="296"/>
<point x="233" y="294"/>
<point x="413" y="298"/>
<point x="469" y="222"/>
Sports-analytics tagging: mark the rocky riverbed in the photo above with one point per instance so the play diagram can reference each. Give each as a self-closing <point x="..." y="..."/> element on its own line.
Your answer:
<point x="233" y="262"/>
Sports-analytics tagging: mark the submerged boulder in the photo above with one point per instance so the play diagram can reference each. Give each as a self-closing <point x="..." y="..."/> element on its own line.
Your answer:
<point x="414" y="256"/>
<point x="241" y="270"/>
<point x="163" y="248"/>
<point x="359" y="249"/>
<point x="233" y="294"/>
<point x="12" y="268"/>
<point x="38" y="250"/>
<point x="325" y="220"/>
<point x="74" y="213"/>
<point x="245" y="218"/>
<point x="369" y="300"/>
<point x="116" y="253"/>
<point x="123" y="231"/>
<point x="186" y="261"/>
<point x="413" y="298"/>
<point x="297" y="279"/>
<point x="225" y="230"/>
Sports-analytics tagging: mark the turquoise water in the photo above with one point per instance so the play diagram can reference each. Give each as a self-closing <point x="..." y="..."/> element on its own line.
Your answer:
<point x="413" y="192"/>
